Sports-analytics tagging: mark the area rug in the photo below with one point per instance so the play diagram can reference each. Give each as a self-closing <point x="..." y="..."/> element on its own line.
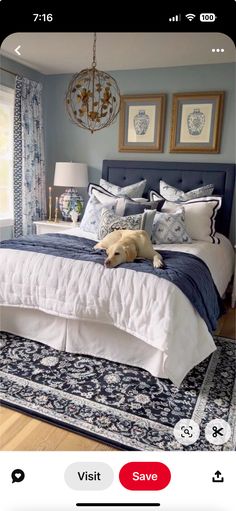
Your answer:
<point x="114" y="403"/>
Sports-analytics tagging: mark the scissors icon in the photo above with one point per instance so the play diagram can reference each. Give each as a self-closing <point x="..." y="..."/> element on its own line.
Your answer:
<point x="217" y="431"/>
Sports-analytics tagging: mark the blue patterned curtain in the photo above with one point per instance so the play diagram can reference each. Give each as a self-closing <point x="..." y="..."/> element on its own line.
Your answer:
<point x="29" y="164"/>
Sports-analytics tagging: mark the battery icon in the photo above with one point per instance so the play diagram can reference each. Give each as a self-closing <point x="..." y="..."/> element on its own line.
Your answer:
<point x="207" y="16"/>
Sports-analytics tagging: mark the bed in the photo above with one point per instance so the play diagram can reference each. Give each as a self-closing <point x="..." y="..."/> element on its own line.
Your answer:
<point x="163" y="334"/>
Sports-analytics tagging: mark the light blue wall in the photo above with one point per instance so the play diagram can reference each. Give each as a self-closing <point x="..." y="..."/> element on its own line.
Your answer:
<point x="69" y="142"/>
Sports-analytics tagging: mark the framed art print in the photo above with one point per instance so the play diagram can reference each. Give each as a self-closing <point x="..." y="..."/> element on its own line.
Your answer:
<point x="142" y="123"/>
<point x="196" y="122"/>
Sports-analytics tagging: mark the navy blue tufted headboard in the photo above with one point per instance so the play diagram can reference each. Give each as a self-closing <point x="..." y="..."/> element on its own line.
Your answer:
<point x="185" y="176"/>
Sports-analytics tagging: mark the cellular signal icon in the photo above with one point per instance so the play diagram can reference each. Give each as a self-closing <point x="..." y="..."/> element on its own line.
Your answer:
<point x="176" y="18"/>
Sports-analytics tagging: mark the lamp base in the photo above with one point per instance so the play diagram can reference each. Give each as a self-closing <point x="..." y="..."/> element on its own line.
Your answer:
<point x="68" y="201"/>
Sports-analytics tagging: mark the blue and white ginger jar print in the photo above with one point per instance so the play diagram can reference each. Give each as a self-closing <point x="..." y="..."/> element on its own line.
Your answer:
<point x="196" y="121"/>
<point x="141" y="122"/>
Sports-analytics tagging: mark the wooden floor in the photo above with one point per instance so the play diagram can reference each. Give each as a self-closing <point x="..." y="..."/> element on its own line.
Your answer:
<point x="19" y="432"/>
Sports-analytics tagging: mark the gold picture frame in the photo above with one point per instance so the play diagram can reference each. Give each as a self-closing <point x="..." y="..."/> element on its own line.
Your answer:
<point x="142" y="123"/>
<point x="196" y="122"/>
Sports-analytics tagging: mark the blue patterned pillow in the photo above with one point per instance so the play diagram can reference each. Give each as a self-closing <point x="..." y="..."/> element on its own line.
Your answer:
<point x="110" y="222"/>
<point x="172" y="194"/>
<point x="91" y="218"/>
<point x="134" y="190"/>
<point x="170" y="228"/>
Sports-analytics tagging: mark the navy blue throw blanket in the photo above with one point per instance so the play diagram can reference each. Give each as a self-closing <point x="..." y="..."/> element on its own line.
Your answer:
<point x="186" y="271"/>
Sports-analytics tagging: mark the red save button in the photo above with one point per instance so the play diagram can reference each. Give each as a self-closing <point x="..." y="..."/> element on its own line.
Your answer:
<point x="145" y="476"/>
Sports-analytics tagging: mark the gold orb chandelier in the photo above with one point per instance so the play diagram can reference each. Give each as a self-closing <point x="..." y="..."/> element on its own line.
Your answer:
<point x="93" y="97"/>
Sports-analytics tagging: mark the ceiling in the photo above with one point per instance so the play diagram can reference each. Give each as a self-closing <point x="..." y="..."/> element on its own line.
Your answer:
<point x="56" y="53"/>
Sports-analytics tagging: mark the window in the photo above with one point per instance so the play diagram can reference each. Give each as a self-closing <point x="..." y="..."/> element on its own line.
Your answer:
<point x="6" y="153"/>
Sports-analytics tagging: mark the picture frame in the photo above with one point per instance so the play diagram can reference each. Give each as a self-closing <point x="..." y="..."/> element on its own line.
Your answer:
<point x="141" y="126"/>
<point x="196" y="122"/>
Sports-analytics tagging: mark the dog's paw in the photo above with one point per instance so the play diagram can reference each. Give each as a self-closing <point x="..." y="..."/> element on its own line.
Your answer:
<point x="158" y="262"/>
<point x="96" y="247"/>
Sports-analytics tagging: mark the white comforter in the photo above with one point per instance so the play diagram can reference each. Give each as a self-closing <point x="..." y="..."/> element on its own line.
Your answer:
<point x="150" y="308"/>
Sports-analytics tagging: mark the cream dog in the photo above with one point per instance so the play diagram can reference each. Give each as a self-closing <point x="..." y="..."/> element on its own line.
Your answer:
<point x="124" y="245"/>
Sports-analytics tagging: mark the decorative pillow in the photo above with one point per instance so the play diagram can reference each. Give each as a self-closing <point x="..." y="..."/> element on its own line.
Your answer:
<point x="153" y="195"/>
<point x="139" y="199"/>
<point x="172" y="194"/>
<point x="126" y="206"/>
<point x="170" y="228"/>
<point x="134" y="190"/>
<point x="133" y="208"/>
<point x="110" y="222"/>
<point x="103" y="198"/>
<point x="95" y="187"/>
<point x="91" y="218"/>
<point x="200" y="215"/>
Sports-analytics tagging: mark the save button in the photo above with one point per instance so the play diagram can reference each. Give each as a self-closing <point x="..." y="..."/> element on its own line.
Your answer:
<point x="145" y="476"/>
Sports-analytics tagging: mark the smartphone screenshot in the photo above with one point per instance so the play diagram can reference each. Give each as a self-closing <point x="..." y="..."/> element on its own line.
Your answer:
<point x="117" y="257"/>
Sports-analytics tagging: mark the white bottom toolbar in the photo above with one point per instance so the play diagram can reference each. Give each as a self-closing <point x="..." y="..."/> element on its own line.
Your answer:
<point x="117" y="481"/>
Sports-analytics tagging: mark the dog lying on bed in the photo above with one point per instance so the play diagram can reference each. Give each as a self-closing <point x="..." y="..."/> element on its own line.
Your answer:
<point x="124" y="245"/>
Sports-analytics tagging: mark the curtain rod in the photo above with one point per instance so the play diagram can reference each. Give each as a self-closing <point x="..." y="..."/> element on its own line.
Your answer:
<point x="10" y="72"/>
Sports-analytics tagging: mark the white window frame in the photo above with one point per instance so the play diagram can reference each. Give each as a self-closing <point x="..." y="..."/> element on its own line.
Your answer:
<point x="8" y="220"/>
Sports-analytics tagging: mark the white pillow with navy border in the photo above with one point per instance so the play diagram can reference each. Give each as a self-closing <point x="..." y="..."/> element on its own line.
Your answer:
<point x="153" y="195"/>
<point x="101" y="192"/>
<point x="200" y="216"/>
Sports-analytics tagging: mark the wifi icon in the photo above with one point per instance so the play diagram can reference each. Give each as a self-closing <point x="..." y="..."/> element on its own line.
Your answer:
<point x="190" y="17"/>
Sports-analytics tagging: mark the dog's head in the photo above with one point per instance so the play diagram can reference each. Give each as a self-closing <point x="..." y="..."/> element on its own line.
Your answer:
<point x="120" y="253"/>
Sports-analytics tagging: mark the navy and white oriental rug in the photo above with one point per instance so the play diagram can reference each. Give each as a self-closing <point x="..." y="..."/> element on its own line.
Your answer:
<point x="117" y="404"/>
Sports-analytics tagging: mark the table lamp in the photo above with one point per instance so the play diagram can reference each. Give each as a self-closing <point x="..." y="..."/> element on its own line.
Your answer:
<point x="71" y="175"/>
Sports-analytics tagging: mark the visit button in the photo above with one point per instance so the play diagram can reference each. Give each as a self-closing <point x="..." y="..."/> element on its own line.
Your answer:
<point x="145" y="476"/>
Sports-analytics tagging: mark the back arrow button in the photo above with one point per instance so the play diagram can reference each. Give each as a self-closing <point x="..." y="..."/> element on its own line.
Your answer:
<point x="17" y="50"/>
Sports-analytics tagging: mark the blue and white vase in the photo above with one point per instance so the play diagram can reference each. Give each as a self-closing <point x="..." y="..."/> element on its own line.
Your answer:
<point x="68" y="201"/>
<point x="141" y="122"/>
<point x="196" y="122"/>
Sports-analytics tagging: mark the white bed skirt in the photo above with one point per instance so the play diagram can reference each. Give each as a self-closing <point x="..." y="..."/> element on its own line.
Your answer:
<point x="106" y="341"/>
<point x="72" y="336"/>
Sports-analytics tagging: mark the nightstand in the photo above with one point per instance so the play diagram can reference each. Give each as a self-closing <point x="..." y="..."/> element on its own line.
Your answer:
<point x="233" y="297"/>
<point x="45" y="227"/>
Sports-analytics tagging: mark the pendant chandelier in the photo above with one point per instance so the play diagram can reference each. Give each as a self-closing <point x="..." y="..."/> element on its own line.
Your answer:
<point x="93" y="97"/>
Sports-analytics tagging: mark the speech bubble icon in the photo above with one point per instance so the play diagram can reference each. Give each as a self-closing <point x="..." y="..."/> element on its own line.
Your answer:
<point x="17" y="475"/>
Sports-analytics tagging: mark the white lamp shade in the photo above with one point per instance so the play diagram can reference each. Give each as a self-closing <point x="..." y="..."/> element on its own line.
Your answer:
<point x="71" y="174"/>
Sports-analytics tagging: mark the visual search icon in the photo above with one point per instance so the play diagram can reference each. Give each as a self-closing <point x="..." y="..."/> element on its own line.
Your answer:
<point x="17" y="475"/>
<point x="186" y="431"/>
